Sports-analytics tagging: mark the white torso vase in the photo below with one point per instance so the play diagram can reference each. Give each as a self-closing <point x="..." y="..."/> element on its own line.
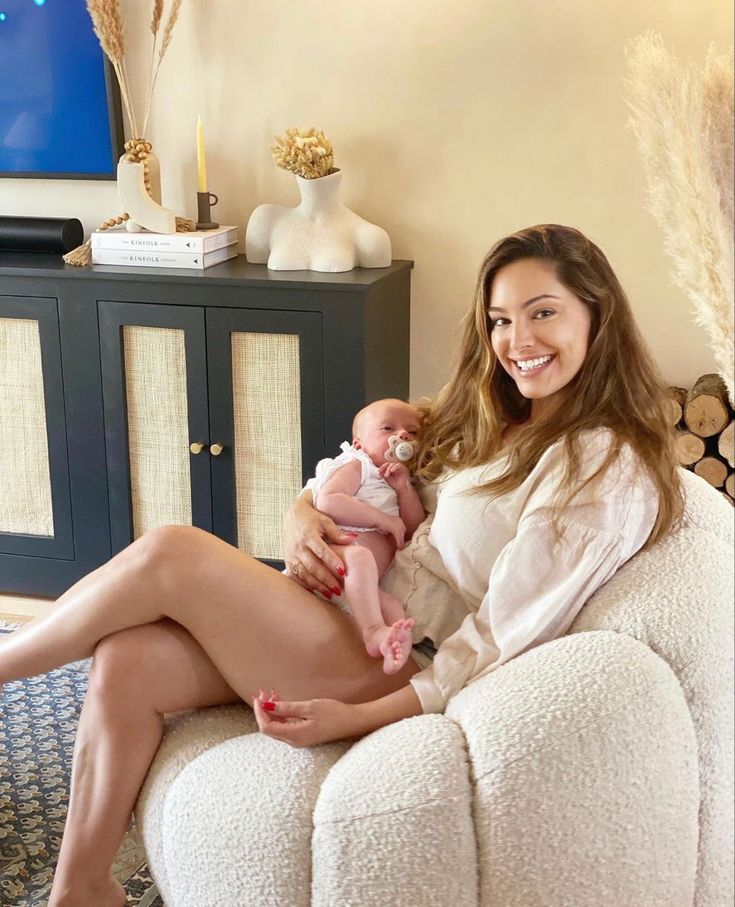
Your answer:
<point x="320" y="234"/>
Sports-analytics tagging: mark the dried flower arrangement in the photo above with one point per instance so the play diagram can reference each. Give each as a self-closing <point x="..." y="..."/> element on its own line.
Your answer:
<point x="109" y="27"/>
<point x="307" y="153"/>
<point x="682" y="117"/>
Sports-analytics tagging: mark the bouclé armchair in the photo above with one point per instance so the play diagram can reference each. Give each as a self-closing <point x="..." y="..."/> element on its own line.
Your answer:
<point x="593" y="770"/>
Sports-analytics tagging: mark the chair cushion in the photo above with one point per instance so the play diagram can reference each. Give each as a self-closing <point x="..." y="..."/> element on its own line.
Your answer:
<point x="393" y="822"/>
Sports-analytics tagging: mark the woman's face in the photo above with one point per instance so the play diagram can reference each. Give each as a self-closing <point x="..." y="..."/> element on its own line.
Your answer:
<point x="539" y="330"/>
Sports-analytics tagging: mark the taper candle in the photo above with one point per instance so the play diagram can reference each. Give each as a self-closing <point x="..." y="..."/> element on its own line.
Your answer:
<point x="201" y="157"/>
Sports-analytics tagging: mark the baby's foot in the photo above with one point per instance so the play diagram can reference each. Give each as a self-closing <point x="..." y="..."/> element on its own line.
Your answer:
<point x="396" y="646"/>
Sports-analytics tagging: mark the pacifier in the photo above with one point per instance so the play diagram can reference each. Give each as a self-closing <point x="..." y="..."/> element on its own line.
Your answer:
<point x="401" y="450"/>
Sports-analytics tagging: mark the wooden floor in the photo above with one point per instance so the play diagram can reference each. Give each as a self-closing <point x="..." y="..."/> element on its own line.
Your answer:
<point x="23" y="607"/>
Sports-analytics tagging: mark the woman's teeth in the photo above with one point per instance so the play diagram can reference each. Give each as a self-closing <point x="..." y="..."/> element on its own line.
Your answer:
<point x="526" y="365"/>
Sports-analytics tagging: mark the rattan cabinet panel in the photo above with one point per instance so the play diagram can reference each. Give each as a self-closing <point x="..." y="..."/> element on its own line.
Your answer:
<point x="35" y="517"/>
<point x="25" y="502"/>
<point x="267" y="441"/>
<point x="158" y="426"/>
<point x="266" y="391"/>
<point x="155" y="407"/>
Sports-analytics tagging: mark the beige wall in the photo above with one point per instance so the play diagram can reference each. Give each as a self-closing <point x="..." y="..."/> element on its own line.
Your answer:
<point x="455" y="122"/>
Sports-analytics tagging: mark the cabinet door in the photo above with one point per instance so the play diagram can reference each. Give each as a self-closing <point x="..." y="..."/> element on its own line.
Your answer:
<point x="266" y="411"/>
<point x="155" y="400"/>
<point x="35" y="507"/>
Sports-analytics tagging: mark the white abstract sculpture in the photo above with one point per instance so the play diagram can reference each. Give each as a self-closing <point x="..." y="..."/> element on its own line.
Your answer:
<point x="144" y="209"/>
<point x="319" y="234"/>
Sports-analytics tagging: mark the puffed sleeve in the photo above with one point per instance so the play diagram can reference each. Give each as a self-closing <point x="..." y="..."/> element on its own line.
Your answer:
<point x="538" y="584"/>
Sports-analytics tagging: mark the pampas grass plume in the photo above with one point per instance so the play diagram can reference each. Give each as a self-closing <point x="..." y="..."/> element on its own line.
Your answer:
<point x="108" y="25"/>
<point x="168" y="31"/>
<point x="682" y="117"/>
<point x="156" y="17"/>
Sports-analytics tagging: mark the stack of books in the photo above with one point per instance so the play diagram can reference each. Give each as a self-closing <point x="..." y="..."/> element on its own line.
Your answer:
<point x="199" y="249"/>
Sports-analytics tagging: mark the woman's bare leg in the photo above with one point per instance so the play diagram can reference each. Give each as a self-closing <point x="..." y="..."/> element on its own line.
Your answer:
<point x="257" y="628"/>
<point x="136" y="676"/>
<point x="249" y="618"/>
<point x="233" y="605"/>
<point x="82" y="615"/>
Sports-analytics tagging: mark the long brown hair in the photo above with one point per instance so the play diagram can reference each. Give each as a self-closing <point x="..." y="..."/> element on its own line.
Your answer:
<point x="618" y="386"/>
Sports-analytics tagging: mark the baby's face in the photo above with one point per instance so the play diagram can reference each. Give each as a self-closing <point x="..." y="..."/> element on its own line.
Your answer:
<point x="382" y="419"/>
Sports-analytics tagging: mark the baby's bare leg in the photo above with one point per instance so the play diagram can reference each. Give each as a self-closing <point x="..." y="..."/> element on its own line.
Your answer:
<point x="380" y="616"/>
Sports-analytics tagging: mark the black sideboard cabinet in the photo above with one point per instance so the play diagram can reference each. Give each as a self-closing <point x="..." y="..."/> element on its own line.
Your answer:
<point x="132" y="397"/>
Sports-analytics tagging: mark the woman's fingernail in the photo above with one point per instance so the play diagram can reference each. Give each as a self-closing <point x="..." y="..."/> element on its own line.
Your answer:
<point x="341" y="571"/>
<point x="335" y="589"/>
<point x="354" y="534"/>
<point x="268" y="706"/>
<point x="327" y="593"/>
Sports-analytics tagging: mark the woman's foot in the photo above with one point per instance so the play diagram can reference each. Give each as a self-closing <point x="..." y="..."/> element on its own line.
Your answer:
<point x="392" y="643"/>
<point x="111" y="894"/>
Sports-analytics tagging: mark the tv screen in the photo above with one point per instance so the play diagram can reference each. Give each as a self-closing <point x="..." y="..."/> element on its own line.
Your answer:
<point x="60" y="114"/>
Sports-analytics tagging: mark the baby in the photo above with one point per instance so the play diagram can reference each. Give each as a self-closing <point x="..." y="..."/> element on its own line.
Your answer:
<point x="367" y="490"/>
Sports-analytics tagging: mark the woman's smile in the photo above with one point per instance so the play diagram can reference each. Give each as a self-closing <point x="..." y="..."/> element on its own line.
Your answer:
<point x="529" y="367"/>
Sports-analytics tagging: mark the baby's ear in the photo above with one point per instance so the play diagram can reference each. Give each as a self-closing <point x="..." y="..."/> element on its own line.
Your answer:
<point x="356" y="444"/>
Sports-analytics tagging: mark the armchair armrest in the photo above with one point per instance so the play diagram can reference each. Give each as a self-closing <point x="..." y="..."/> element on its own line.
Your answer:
<point x="584" y="764"/>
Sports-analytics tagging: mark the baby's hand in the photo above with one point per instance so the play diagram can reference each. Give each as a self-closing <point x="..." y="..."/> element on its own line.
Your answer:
<point x="396" y="475"/>
<point x="393" y="525"/>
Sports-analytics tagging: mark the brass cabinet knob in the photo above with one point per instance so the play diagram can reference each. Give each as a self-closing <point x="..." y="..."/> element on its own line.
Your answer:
<point x="197" y="447"/>
<point x="216" y="449"/>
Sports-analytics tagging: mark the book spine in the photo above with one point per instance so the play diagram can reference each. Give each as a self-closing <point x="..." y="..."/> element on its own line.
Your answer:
<point x="175" y="242"/>
<point x="160" y="259"/>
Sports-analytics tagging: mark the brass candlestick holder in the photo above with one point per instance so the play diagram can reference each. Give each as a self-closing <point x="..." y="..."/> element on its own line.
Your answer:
<point x="205" y="202"/>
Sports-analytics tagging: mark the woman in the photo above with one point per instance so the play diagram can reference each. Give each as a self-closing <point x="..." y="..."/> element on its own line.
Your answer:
<point x="555" y="467"/>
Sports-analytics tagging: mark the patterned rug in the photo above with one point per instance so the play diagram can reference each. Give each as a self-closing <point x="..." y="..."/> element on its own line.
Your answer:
<point x="38" y="720"/>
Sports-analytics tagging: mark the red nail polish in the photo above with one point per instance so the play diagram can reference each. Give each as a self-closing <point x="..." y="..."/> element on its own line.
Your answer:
<point x="327" y="594"/>
<point x="336" y="590"/>
<point x="341" y="571"/>
<point x="268" y="706"/>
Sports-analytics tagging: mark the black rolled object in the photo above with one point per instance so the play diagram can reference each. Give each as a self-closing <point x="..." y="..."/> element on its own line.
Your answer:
<point x="40" y="234"/>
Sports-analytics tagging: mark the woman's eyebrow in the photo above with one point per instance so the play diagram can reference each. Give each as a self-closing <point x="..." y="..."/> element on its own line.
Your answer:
<point x="527" y="303"/>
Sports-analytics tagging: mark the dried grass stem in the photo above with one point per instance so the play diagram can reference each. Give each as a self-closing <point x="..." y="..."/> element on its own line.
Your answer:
<point x="167" y="35"/>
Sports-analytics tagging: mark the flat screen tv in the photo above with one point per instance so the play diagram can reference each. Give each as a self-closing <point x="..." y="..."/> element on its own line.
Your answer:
<point x="60" y="114"/>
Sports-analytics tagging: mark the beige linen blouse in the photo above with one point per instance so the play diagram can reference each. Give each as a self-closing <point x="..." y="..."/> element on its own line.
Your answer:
<point x="487" y="579"/>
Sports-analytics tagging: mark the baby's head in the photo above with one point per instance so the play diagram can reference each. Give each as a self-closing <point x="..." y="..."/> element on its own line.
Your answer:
<point x="378" y="422"/>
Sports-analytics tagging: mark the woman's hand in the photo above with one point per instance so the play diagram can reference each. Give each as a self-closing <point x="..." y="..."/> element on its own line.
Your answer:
<point x="307" y="723"/>
<point x="323" y="720"/>
<point x="309" y="559"/>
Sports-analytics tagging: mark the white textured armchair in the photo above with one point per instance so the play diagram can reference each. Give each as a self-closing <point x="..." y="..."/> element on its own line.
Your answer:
<point x="594" y="770"/>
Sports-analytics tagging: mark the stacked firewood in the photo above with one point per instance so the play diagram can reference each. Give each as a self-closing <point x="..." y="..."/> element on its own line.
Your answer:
<point x="703" y="420"/>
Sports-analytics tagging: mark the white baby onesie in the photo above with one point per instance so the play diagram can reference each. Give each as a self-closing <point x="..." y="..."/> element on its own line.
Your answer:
<point x="373" y="488"/>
